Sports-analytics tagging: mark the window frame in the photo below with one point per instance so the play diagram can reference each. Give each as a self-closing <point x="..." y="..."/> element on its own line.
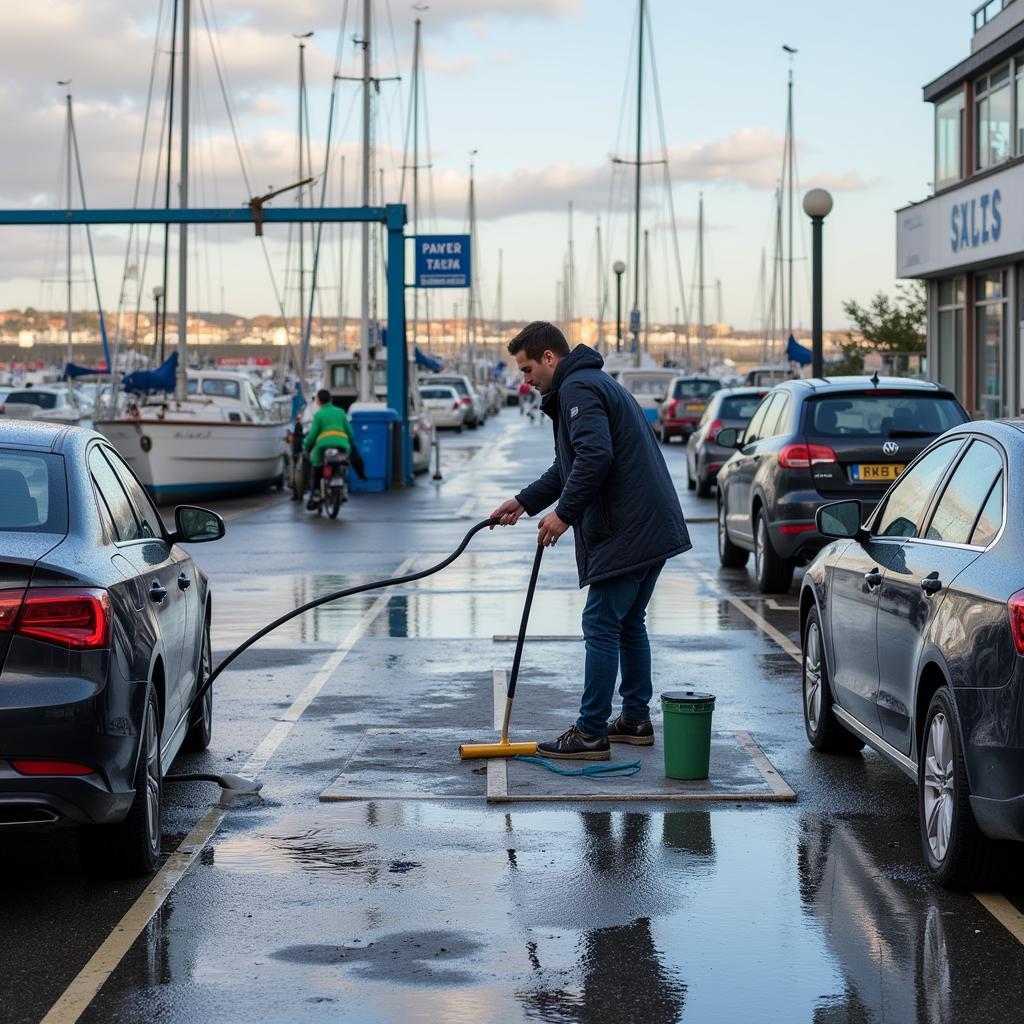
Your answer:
<point x="983" y="93"/>
<point x="97" y="451"/>
<point x="766" y="403"/>
<point x="961" y="96"/>
<point x="121" y="469"/>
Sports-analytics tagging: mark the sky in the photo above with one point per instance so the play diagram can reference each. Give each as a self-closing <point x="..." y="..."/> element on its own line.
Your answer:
<point x="543" y="91"/>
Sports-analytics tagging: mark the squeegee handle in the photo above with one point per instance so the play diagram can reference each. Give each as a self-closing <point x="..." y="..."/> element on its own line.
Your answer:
<point x="521" y="639"/>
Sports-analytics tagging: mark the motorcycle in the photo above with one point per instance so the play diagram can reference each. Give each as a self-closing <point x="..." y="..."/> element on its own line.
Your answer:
<point x="332" y="491"/>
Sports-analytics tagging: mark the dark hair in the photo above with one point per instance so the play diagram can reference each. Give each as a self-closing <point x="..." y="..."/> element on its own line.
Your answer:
<point x="323" y="396"/>
<point x="537" y="338"/>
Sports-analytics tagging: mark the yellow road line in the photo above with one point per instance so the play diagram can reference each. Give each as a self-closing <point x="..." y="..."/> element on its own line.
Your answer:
<point x="1004" y="912"/>
<point x="87" y="983"/>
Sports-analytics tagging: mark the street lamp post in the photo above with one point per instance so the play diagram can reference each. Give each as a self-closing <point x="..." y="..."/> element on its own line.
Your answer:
<point x="620" y="268"/>
<point x="817" y="206"/>
<point x="158" y="341"/>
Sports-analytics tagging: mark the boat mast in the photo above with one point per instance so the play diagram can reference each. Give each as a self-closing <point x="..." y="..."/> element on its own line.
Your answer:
<point x="599" y="294"/>
<point x="788" y="169"/>
<point x="364" y="311"/>
<point x="69" y="129"/>
<point x="647" y="293"/>
<point x="570" y="283"/>
<point x="300" y="191"/>
<point x="636" y="196"/>
<point x="162" y="326"/>
<point x="471" y="314"/>
<point x="341" y="263"/>
<point x="180" y="387"/>
<point x="416" y="168"/>
<point x="700" y="284"/>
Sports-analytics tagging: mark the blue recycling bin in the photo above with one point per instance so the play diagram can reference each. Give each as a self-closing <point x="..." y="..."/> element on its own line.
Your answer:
<point x="373" y="429"/>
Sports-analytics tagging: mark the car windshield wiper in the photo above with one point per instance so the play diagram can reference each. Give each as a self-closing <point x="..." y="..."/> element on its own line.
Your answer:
<point x="911" y="433"/>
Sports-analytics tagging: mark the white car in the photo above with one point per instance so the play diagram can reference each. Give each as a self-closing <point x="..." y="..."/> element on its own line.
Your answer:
<point x="51" y="404"/>
<point x="443" y="403"/>
<point x="476" y="411"/>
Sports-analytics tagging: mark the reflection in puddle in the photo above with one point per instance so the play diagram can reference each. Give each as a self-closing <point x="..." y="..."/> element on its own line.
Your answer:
<point x="276" y="855"/>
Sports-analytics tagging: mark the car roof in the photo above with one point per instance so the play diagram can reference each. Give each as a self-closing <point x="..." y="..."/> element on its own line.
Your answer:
<point x="746" y="389"/>
<point x="824" y="385"/>
<point x="31" y="435"/>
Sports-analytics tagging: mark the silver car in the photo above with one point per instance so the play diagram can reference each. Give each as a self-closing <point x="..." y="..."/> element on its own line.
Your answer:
<point x="445" y="406"/>
<point x="476" y="411"/>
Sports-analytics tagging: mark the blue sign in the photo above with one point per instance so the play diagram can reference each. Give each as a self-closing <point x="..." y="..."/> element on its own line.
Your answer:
<point x="976" y="221"/>
<point x="634" y="320"/>
<point x="442" y="261"/>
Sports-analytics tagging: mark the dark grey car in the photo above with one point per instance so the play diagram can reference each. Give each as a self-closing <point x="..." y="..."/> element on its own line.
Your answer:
<point x="104" y="641"/>
<point x="815" y="441"/>
<point x="913" y="641"/>
<point x="731" y="407"/>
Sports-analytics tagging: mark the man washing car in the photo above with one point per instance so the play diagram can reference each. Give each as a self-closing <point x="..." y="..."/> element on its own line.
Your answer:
<point x="612" y="487"/>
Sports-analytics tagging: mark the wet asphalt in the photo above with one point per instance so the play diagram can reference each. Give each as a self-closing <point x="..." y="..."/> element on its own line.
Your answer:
<point x="424" y="908"/>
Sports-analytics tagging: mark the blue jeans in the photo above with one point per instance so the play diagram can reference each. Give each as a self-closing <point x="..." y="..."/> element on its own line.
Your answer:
<point x="616" y="636"/>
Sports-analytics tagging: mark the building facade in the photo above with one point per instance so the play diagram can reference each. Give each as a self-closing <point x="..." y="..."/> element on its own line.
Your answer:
<point x="967" y="240"/>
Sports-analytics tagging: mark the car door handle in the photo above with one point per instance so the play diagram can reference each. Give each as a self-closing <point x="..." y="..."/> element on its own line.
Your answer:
<point x="873" y="579"/>
<point x="156" y="592"/>
<point x="184" y="582"/>
<point x="931" y="584"/>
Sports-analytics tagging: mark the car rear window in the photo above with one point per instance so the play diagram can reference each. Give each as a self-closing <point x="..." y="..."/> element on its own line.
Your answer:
<point x="459" y="385"/>
<point x="697" y="389"/>
<point x="739" y="407"/>
<point x="42" y="399"/>
<point x="648" y="386"/>
<point x="446" y="392"/>
<point x="34" y="492"/>
<point x="882" y="414"/>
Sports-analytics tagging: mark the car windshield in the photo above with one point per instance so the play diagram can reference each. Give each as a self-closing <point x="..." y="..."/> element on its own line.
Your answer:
<point x="42" y="399"/>
<point x="696" y="389"/>
<point x="646" y="385"/>
<point x="34" y="492"/>
<point x="739" y="407"/>
<point x="883" y="414"/>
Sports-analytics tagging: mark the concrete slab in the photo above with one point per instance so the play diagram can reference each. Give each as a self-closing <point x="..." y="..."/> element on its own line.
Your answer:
<point x="423" y="764"/>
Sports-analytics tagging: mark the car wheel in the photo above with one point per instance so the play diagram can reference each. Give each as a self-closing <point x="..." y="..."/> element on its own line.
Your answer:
<point x="132" y="846"/>
<point x="200" y="730"/>
<point x="824" y="731"/>
<point x="731" y="556"/>
<point x="691" y="484"/>
<point x="703" y="487"/>
<point x="458" y="429"/>
<point x="664" y="437"/>
<point x="774" y="574"/>
<point x="958" y="855"/>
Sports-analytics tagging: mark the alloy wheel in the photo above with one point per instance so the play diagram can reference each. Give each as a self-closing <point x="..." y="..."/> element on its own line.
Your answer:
<point x="812" y="676"/>
<point x="721" y="526"/>
<point x="938" y="786"/>
<point x="152" y="777"/>
<point x="759" y="547"/>
<point x="205" y="671"/>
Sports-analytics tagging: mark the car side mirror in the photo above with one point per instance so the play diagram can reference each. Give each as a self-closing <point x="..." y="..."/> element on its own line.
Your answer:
<point x="194" y="525"/>
<point x="728" y="437"/>
<point x="840" y="519"/>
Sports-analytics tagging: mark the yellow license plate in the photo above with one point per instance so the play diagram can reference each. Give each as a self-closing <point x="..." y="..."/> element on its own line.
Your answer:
<point x="870" y="472"/>
<point x="694" y="406"/>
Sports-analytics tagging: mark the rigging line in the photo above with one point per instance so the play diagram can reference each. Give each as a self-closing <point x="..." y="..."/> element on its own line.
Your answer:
<point x="394" y="52"/>
<point x="88" y="236"/>
<point x="431" y="197"/>
<point x="340" y="47"/>
<point x="664" y="155"/>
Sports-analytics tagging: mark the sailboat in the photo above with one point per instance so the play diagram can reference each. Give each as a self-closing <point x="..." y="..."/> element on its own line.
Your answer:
<point x="205" y="439"/>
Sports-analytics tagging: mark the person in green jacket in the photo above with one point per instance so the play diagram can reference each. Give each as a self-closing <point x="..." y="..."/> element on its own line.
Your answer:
<point x="330" y="429"/>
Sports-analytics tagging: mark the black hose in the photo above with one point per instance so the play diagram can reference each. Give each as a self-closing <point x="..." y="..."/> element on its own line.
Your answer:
<point x="336" y="595"/>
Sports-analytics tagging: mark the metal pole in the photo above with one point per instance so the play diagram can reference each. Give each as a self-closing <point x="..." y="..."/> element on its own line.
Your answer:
<point x="789" y="151"/>
<point x="618" y="311"/>
<point x="180" y="387"/>
<point x="167" y="180"/>
<point x="69" y="320"/>
<point x="299" y="198"/>
<point x="700" y="284"/>
<point x="636" y="197"/>
<point x="416" y="173"/>
<point x="398" y="351"/>
<point x="647" y="296"/>
<point x="817" y="354"/>
<point x="341" y="266"/>
<point x="364" y="314"/>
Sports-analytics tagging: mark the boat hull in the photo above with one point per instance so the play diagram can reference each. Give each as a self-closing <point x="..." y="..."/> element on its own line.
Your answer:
<point x="181" y="461"/>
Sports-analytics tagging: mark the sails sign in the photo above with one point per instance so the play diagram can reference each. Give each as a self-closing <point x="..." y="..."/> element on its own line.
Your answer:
<point x="442" y="261"/>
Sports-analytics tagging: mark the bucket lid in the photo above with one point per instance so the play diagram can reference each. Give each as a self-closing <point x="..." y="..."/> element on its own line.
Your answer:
<point x="687" y="697"/>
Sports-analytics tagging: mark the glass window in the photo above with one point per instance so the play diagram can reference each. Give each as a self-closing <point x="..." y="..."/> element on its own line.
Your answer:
<point x="217" y="388"/>
<point x="909" y="498"/>
<point x="149" y="519"/>
<point x="754" y="431"/>
<point x="739" y="407"/>
<point x="34" y="495"/>
<point x="949" y="135"/>
<point x="950" y="331"/>
<point x="1020" y="105"/>
<point x="882" y="414"/>
<point x="990" y="343"/>
<point x="126" y="526"/>
<point x="992" y="107"/>
<point x="777" y="418"/>
<point x="961" y="501"/>
<point x="695" y="388"/>
<point x="40" y="399"/>
<point x="951" y="291"/>
<point x="991" y="517"/>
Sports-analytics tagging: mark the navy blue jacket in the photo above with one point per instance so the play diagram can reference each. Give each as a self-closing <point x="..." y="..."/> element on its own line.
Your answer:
<point x="609" y="476"/>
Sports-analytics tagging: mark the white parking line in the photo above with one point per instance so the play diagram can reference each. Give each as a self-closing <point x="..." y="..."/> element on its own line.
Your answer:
<point x="762" y="624"/>
<point x="84" y="987"/>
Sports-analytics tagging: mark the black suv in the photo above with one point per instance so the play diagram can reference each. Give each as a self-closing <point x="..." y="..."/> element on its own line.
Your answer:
<point x="815" y="441"/>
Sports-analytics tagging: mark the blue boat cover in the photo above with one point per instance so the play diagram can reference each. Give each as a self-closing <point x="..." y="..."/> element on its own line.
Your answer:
<point x="428" y="362"/>
<point x="797" y="353"/>
<point x="160" y="379"/>
<point x="71" y="371"/>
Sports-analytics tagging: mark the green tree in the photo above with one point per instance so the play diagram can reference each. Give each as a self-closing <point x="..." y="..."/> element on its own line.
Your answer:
<point x="886" y="324"/>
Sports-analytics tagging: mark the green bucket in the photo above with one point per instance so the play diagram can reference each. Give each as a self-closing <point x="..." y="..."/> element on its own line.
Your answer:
<point x="686" y="717"/>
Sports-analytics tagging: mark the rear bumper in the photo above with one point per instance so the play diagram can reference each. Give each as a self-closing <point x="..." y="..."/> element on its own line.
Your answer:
<point x="37" y="804"/>
<point x="1000" y="819"/>
<point x="680" y="427"/>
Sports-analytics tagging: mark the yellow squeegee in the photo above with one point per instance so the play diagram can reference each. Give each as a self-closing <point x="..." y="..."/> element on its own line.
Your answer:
<point x="504" y="748"/>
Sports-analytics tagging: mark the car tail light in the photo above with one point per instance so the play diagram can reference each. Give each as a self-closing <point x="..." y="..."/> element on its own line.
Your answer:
<point x="466" y="400"/>
<point x="714" y="428"/>
<point x="25" y="766"/>
<point x="10" y="603"/>
<point x="803" y="456"/>
<point x="77" y="618"/>
<point x="455" y="406"/>
<point x="791" y="528"/>
<point x="1016" y="607"/>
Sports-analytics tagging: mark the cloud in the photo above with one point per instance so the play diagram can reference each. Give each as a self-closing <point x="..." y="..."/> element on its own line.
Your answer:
<point x="436" y="64"/>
